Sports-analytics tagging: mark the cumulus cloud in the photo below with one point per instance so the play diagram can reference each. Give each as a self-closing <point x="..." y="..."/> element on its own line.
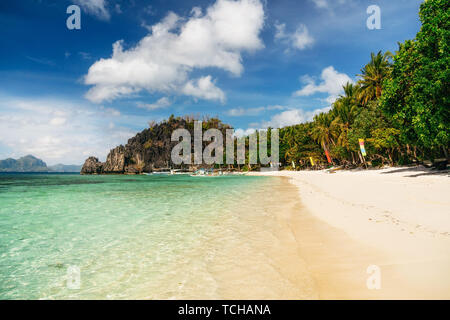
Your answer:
<point x="203" y="88"/>
<point x="285" y="118"/>
<point x="291" y="117"/>
<point x="299" y="39"/>
<point x="239" y="133"/>
<point x="95" y="7"/>
<point x="57" y="131"/>
<point x="163" y="60"/>
<point x="331" y="83"/>
<point x="162" y="103"/>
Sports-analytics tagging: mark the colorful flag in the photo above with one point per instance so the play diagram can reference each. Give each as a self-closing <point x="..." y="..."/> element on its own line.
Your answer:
<point x="363" y="149"/>
<point x="312" y="161"/>
<point x="328" y="156"/>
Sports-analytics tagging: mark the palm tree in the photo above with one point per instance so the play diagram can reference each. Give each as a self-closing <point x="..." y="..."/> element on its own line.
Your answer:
<point x="372" y="76"/>
<point x="290" y="146"/>
<point x="344" y="112"/>
<point x="322" y="130"/>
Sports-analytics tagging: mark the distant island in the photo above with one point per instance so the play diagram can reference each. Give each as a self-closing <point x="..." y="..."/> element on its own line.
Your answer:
<point x="30" y="163"/>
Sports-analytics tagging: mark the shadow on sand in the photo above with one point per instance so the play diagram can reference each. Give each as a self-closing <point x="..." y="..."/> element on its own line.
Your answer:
<point x="418" y="171"/>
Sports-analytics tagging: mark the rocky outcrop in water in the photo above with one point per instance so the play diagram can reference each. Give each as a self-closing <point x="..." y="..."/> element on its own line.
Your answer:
<point x="92" y="166"/>
<point x="148" y="151"/>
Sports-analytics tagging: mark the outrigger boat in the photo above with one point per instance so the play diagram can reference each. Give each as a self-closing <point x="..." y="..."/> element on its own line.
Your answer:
<point x="179" y="171"/>
<point x="206" y="173"/>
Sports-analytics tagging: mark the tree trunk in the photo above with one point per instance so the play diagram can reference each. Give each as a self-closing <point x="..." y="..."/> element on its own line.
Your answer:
<point x="445" y="152"/>
<point x="391" y="162"/>
<point x="378" y="93"/>
<point x="362" y="159"/>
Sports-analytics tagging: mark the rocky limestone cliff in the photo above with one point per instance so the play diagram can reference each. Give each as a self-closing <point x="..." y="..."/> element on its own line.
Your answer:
<point x="92" y="166"/>
<point x="115" y="162"/>
<point x="148" y="151"/>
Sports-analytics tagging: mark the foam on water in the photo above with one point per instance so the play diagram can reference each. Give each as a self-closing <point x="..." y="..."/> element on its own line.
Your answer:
<point x="148" y="237"/>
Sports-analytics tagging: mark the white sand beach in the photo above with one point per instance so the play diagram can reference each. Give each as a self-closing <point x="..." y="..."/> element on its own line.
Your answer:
<point x="397" y="219"/>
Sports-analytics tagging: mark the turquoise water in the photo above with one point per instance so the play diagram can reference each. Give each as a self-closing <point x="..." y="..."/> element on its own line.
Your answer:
<point x="134" y="237"/>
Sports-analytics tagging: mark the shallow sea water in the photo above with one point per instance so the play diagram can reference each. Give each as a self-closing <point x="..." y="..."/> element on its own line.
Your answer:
<point x="149" y="237"/>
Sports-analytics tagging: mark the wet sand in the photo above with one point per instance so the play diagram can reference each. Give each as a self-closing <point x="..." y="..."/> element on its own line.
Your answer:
<point x="398" y="220"/>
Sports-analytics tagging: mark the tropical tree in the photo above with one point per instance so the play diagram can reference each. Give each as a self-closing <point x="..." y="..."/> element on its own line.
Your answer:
<point x="344" y="111"/>
<point x="321" y="131"/>
<point x="417" y="95"/>
<point x="372" y="76"/>
<point x="400" y="108"/>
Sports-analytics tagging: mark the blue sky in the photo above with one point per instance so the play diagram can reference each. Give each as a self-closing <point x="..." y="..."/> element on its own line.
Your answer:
<point x="65" y="96"/>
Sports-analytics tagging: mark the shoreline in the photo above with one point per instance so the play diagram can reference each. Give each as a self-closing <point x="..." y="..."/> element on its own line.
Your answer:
<point x="396" y="219"/>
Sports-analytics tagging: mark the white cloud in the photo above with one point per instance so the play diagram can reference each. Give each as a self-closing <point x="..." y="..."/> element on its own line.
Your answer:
<point x="163" y="60"/>
<point x="203" y="88"/>
<point x="95" y="7"/>
<point x="196" y="12"/>
<point x="237" y="112"/>
<point x="285" y="118"/>
<point x="57" y="131"/>
<point x="291" y="117"/>
<point x="239" y="133"/>
<point x="299" y="39"/>
<point x="332" y="82"/>
<point x="108" y="93"/>
<point x="162" y="103"/>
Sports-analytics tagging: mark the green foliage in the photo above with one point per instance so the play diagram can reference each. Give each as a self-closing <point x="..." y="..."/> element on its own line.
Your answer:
<point x="148" y="144"/>
<point x="297" y="145"/>
<point x="385" y="138"/>
<point x="373" y="75"/>
<point x="417" y="94"/>
<point x="399" y="108"/>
